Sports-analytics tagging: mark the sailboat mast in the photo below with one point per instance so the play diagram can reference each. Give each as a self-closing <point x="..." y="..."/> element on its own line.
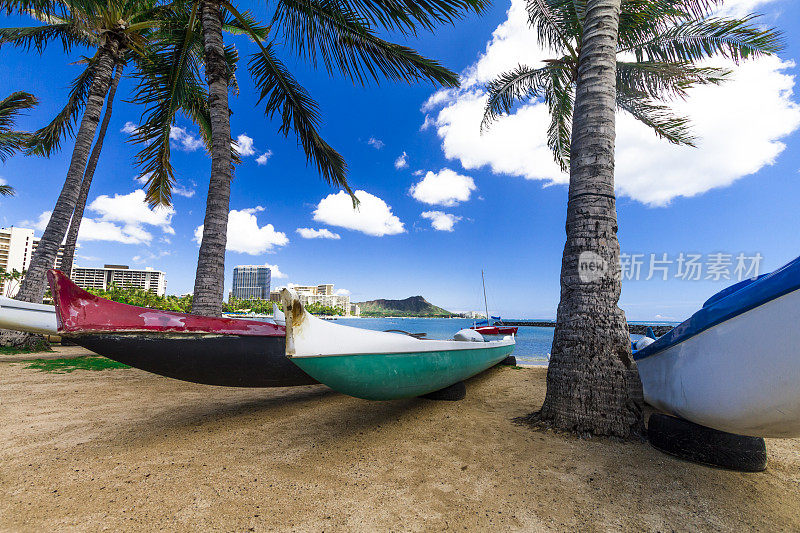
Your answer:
<point x="485" y="303"/>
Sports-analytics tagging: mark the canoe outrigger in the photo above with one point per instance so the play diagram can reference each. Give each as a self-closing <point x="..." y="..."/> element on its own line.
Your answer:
<point x="28" y="317"/>
<point x="376" y="365"/>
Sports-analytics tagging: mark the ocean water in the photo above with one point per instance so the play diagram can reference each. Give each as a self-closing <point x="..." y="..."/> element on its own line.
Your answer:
<point x="533" y="344"/>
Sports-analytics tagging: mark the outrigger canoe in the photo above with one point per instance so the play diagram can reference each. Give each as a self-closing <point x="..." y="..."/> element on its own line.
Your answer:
<point x="376" y="365"/>
<point x="212" y="351"/>
<point x="734" y="365"/>
<point x="28" y="317"/>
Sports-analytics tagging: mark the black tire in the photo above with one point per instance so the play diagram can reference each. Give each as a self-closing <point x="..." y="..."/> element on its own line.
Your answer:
<point x="706" y="446"/>
<point x="508" y="361"/>
<point x="453" y="393"/>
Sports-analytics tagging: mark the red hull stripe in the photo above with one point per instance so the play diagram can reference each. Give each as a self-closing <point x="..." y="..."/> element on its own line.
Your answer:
<point x="78" y="311"/>
<point x="495" y="330"/>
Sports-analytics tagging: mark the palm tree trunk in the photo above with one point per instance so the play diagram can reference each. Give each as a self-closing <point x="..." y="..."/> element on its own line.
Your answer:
<point x="593" y="386"/>
<point x="33" y="287"/>
<point x="77" y="216"/>
<point x="210" y="278"/>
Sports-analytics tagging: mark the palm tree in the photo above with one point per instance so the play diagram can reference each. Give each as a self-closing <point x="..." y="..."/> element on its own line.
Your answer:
<point x="11" y="141"/>
<point x="341" y="35"/>
<point x="121" y="31"/>
<point x="593" y="386"/>
<point x="112" y="28"/>
<point x="68" y="256"/>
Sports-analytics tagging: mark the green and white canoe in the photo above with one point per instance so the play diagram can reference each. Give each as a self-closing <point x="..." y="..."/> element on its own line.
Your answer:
<point x="375" y="365"/>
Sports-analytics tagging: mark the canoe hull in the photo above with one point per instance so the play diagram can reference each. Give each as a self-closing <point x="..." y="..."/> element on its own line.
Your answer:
<point x="28" y="317"/>
<point x="376" y="365"/>
<point x="225" y="360"/>
<point x="198" y="349"/>
<point x="741" y="375"/>
<point x="400" y="375"/>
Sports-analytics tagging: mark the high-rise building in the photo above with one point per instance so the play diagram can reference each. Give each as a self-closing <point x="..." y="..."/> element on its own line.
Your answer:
<point x="121" y="276"/>
<point x="251" y="282"/>
<point x="16" y="249"/>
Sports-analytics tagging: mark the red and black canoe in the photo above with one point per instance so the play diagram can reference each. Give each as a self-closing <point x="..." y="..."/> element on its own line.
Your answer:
<point x="212" y="351"/>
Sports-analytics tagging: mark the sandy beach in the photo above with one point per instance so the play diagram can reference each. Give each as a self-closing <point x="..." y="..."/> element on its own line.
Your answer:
<point x="127" y="450"/>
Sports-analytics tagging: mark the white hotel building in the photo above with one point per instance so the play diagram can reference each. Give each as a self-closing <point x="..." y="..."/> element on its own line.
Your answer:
<point x="16" y="249"/>
<point x="17" y="246"/>
<point x="321" y="294"/>
<point x="121" y="276"/>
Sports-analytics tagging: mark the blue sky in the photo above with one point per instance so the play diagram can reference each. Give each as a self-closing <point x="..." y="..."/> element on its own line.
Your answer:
<point x="498" y="195"/>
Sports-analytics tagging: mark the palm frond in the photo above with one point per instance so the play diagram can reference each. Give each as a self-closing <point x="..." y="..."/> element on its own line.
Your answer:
<point x="556" y="23"/>
<point x="323" y="31"/>
<point x="696" y="40"/>
<point x="659" y="118"/>
<point x="511" y="87"/>
<point x="298" y="113"/>
<point x="664" y="80"/>
<point x="244" y="23"/>
<point x="55" y="7"/>
<point x="38" y="37"/>
<point x="10" y="108"/>
<point x="407" y="16"/>
<point x="6" y="190"/>
<point x="169" y="80"/>
<point x="48" y="139"/>
<point x="560" y="101"/>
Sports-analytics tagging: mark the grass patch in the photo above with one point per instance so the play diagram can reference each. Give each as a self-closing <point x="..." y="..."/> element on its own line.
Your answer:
<point x="67" y="365"/>
<point x="7" y="350"/>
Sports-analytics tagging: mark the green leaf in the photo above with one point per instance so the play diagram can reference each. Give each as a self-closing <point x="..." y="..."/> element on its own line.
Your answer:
<point x="298" y="112"/>
<point x="325" y="31"/>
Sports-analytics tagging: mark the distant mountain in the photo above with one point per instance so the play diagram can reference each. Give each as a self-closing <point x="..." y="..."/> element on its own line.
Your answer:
<point x="413" y="306"/>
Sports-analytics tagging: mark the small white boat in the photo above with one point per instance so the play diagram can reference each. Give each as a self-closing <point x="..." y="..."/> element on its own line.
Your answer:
<point x="735" y="364"/>
<point x="28" y="317"/>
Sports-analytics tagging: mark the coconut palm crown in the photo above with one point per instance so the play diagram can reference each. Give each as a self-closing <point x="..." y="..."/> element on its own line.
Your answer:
<point x="660" y="43"/>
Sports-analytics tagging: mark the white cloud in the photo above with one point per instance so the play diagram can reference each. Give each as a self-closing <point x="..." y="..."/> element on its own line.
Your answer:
<point x="253" y="210"/>
<point x="372" y="216"/>
<point x="418" y="173"/>
<point x="244" y="145"/>
<point x="40" y="223"/>
<point x="441" y="221"/>
<point x="445" y="188"/>
<point x="132" y="210"/>
<point x="401" y="162"/>
<point x="342" y="292"/>
<point x="739" y="124"/>
<point x="246" y="236"/>
<point x="183" y="191"/>
<point x="275" y="272"/>
<point x="184" y="140"/>
<point x="322" y="233"/>
<point x="121" y="219"/>
<point x="741" y="8"/>
<point x="263" y="158"/>
<point x="376" y="143"/>
<point x="129" y="127"/>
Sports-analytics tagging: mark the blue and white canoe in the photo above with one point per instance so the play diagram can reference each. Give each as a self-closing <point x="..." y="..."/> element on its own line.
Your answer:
<point x="734" y="365"/>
